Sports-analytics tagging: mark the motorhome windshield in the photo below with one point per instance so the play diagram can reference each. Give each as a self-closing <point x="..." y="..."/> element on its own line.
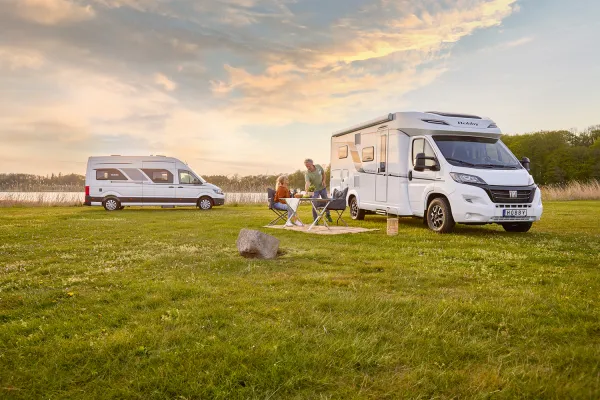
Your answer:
<point x="476" y="152"/>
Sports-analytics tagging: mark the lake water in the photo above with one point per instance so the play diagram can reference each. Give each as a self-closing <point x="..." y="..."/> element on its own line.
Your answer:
<point x="79" y="197"/>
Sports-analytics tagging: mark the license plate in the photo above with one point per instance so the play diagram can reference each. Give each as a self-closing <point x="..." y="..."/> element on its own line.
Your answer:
<point x="514" y="213"/>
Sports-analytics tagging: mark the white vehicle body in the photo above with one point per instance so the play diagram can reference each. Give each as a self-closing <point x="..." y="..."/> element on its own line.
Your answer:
<point x="118" y="181"/>
<point x="376" y="160"/>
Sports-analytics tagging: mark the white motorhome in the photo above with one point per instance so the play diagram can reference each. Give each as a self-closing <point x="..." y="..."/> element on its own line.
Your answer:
<point x="118" y="181"/>
<point x="446" y="168"/>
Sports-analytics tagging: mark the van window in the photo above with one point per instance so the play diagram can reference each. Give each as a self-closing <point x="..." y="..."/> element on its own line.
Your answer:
<point x="422" y="146"/>
<point x="343" y="152"/>
<point x="187" y="178"/>
<point x="110" y="175"/>
<point x="368" y="154"/>
<point x="382" y="153"/>
<point x="416" y="149"/>
<point x="428" y="150"/>
<point x="159" y="175"/>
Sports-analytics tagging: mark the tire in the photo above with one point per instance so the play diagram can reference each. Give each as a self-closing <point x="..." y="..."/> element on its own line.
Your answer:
<point x="355" y="212"/>
<point x="111" y="204"/>
<point x="205" y="203"/>
<point x="439" y="216"/>
<point x="517" y="226"/>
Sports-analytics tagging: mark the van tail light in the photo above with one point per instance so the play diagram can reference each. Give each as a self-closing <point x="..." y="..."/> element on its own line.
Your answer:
<point x="87" y="190"/>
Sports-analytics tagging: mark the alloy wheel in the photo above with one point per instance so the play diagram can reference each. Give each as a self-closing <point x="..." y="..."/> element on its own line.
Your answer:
<point x="437" y="216"/>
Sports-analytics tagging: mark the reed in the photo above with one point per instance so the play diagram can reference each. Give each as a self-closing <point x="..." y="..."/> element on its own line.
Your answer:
<point x="572" y="191"/>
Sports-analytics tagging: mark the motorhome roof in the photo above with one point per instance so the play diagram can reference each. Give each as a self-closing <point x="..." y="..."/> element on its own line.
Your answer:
<point x="121" y="159"/>
<point x="433" y="122"/>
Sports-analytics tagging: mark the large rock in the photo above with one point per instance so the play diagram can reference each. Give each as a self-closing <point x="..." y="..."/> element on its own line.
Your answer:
<point x="255" y="244"/>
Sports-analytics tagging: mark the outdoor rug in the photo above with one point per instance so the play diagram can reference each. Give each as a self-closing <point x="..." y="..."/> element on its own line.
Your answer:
<point x="322" y="230"/>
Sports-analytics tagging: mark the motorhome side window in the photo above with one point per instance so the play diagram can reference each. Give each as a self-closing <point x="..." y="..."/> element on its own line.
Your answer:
<point x="159" y="175"/>
<point x="368" y="154"/>
<point x="186" y="177"/>
<point x="110" y="175"/>
<point x="343" y="152"/>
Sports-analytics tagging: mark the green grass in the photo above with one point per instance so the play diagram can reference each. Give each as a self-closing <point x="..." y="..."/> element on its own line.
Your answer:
<point x="157" y="304"/>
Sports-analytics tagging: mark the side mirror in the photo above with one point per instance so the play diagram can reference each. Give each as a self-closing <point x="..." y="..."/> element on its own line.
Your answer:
<point x="421" y="166"/>
<point x="526" y="163"/>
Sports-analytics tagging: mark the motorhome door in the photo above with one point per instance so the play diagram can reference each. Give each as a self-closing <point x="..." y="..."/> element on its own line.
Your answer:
<point x="161" y="188"/>
<point x="382" y="172"/>
<point x="419" y="180"/>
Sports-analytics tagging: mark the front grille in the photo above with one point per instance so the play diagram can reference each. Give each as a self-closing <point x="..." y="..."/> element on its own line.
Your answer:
<point x="503" y="196"/>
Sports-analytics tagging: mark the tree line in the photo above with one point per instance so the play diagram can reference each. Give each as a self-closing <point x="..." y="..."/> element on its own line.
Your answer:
<point x="37" y="183"/>
<point x="557" y="157"/>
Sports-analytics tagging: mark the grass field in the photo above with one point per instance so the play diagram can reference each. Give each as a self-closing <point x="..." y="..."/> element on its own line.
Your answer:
<point x="157" y="304"/>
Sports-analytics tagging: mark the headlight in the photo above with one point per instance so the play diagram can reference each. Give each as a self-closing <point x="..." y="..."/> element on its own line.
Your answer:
<point x="218" y="191"/>
<point x="530" y="180"/>
<point x="465" y="178"/>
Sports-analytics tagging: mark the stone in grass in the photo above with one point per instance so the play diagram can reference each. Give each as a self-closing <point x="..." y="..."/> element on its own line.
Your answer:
<point x="255" y="244"/>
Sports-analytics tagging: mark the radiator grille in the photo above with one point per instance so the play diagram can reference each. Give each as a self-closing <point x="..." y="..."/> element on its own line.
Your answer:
<point x="504" y="196"/>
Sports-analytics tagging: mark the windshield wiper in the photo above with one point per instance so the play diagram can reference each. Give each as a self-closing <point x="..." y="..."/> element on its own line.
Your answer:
<point x="496" y="166"/>
<point x="460" y="161"/>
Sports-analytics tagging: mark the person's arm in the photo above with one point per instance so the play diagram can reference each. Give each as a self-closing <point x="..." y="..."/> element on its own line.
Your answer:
<point x="306" y="182"/>
<point x="323" y="173"/>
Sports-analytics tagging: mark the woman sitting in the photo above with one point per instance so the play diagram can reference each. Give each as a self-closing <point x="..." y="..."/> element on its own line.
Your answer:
<point x="282" y="192"/>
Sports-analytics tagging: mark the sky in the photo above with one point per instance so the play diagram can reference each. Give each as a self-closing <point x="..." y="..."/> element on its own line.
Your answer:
<point x="256" y="86"/>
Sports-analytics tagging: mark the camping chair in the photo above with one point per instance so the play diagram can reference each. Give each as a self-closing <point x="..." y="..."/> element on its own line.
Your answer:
<point x="281" y="215"/>
<point x="338" y="204"/>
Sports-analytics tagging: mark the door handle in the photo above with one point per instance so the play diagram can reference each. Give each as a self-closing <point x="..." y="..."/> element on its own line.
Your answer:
<point x="179" y="187"/>
<point x="410" y="175"/>
<point x="171" y="187"/>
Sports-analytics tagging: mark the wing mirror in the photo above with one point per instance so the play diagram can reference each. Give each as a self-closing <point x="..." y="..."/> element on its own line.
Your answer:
<point x="526" y="163"/>
<point x="421" y="166"/>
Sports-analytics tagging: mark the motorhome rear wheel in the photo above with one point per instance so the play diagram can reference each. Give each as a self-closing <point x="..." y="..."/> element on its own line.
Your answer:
<point x="355" y="212"/>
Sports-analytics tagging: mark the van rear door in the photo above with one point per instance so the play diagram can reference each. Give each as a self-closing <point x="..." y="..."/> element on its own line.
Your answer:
<point x="160" y="190"/>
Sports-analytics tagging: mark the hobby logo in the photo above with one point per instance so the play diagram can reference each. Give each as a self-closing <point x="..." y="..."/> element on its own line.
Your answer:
<point x="467" y="123"/>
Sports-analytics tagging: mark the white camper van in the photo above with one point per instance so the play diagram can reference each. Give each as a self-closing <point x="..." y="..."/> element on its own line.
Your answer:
<point x="446" y="168"/>
<point x="118" y="181"/>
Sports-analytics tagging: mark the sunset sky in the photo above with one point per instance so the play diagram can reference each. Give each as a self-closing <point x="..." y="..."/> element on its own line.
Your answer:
<point x="255" y="86"/>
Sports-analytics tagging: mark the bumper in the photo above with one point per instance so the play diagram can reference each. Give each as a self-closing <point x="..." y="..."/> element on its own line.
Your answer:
<point x="472" y="204"/>
<point x="88" y="201"/>
<point x="219" y="202"/>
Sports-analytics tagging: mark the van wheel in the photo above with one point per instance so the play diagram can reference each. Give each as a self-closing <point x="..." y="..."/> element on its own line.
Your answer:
<point x="205" y="203"/>
<point x="517" y="226"/>
<point x="355" y="212"/>
<point x="439" y="216"/>
<point x="111" y="204"/>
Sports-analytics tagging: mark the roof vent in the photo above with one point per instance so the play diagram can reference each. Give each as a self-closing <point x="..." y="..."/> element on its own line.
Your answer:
<point x="115" y="155"/>
<point x="435" y="121"/>
<point x="452" y="115"/>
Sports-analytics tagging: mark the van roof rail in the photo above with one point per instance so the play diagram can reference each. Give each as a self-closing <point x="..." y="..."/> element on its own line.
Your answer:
<point x="368" y="124"/>
<point x="453" y="115"/>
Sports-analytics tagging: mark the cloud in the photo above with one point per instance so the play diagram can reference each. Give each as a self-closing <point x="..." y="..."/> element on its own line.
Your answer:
<point x="14" y="58"/>
<point x="193" y="78"/>
<point x="52" y="12"/>
<point x="165" y="82"/>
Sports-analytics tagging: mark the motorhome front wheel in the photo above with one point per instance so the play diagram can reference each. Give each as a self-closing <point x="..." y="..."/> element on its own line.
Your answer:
<point x="439" y="216"/>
